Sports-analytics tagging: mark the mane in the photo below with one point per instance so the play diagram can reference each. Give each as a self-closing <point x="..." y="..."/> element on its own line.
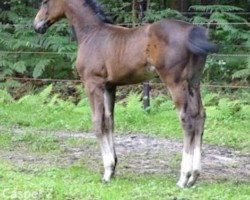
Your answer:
<point x="96" y="7"/>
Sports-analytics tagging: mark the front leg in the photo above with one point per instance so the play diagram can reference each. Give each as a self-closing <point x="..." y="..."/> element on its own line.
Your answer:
<point x="102" y="103"/>
<point x="107" y="141"/>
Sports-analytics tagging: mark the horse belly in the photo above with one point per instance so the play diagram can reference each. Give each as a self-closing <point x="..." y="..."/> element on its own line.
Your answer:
<point x="136" y="75"/>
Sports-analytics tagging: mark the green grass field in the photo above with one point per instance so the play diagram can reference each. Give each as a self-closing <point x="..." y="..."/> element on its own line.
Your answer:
<point x="228" y="124"/>
<point x="76" y="182"/>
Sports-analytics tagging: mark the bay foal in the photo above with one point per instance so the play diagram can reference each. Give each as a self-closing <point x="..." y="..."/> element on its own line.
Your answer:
<point x="110" y="55"/>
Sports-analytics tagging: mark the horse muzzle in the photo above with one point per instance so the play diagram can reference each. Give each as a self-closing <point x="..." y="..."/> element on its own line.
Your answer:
<point x="42" y="26"/>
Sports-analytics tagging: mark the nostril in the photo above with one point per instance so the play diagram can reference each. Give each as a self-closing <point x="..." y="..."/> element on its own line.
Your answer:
<point x="40" y="30"/>
<point x="40" y="26"/>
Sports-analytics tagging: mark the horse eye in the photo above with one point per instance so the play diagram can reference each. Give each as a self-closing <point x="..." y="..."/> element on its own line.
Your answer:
<point x="45" y="2"/>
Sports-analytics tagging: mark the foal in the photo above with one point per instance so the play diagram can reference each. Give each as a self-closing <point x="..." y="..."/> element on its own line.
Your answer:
<point x="110" y="55"/>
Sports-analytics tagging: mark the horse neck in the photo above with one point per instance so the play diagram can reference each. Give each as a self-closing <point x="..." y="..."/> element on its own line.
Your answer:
<point x="81" y="18"/>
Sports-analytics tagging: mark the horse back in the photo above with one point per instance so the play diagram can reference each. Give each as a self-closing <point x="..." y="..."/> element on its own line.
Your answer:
<point x="125" y="55"/>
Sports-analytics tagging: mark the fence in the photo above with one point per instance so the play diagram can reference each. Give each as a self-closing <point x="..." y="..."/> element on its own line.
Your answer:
<point x="146" y="86"/>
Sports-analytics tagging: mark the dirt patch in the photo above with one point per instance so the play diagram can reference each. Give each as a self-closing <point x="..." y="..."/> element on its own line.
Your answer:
<point x="140" y="154"/>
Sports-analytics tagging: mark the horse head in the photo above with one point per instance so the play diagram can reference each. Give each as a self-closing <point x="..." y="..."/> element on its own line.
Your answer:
<point x="50" y="12"/>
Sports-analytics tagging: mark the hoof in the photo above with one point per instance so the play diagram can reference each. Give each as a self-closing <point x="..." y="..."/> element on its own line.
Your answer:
<point x="189" y="179"/>
<point x="108" y="175"/>
<point x="105" y="181"/>
<point x="180" y="184"/>
<point x="193" y="178"/>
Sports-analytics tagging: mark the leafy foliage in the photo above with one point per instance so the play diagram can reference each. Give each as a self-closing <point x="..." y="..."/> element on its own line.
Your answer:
<point x="119" y="10"/>
<point x="225" y="113"/>
<point x="156" y="15"/>
<point x="18" y="37"/>
<point x="56" y="57"/>
<point x="227" y="29"/>
<point x="5" y="97"/>
<point x="216" y="8"/>
<point x="243" y="73"/>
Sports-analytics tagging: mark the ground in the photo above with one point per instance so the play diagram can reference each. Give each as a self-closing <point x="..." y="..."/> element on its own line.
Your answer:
<point x="137" y="153"/>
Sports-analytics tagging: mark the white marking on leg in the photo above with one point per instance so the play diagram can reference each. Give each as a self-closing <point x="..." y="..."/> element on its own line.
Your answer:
<point x="186" y="168"/>
<point x="107" y="139"/>
<point x="196" y="167"/>
<point x="197" y="151"/>
<point x="108" y="158"/>
<point x="197" y="159"/>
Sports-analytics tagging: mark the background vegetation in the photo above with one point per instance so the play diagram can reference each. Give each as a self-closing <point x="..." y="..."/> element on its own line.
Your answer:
<point x="29" y="150"/>
<point x="229" y="114"/>
<point x="32" y="108"/>
<point x="228" y="26"/>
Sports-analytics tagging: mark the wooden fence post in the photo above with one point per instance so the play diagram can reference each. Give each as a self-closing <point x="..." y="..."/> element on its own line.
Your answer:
<point x="146" y="96"/>
<point x="134" y="13"/>
<point x="142" y="6"/>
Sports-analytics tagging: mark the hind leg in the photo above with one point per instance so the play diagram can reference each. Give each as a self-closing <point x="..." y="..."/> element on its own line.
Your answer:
<point x="199" y="128"/>
<point x="181" y="73"/>
<point x="188" y="103"/>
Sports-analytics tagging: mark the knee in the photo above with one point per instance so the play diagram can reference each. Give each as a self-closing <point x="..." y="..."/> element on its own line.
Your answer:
<point x="188" y="114"/>
<point x="191" y="121"/>
<point x="201" y="116"/>
<point x="188" y="122"/>
<point x="97" y="127"/>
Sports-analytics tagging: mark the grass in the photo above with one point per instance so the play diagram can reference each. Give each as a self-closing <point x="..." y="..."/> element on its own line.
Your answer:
<point x="38" y="181"/>
<point x="76" y="182"/>
<point x="227" y="124"/>
<point x="227" y="120"/>
<point x="31" y="142"/>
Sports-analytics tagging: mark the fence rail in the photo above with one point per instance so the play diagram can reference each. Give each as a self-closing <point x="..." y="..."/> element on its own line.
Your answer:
<point x="150" y="83"/>
<point x="72" y="53"/>
<point x="130" y="24"/>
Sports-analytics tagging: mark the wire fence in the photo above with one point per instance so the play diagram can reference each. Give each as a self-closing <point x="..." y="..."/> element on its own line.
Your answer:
<point x="207" y="13"/>
<point x="74" y="53"/>
<point x="37" y="52"/>
<point x="130" y="24"/>
<point x="48" y="80"/>
<point x="79" y="81"/>
<point x="230" y="55"/>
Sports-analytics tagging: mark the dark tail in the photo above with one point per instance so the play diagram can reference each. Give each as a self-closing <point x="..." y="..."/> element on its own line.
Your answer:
<point x="198" y="42"/>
